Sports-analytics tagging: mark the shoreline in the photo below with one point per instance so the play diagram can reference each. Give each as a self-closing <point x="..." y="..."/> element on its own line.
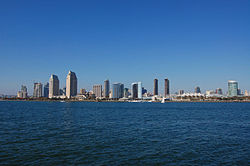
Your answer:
<point x="114" y="101"/>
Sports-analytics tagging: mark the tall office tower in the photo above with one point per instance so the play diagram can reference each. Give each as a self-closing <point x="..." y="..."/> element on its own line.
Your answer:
<point x="218" y="91"/>
<point x="232" y="88"/>
<point x="139" y="90"/>
<point x="71" y="84"/>
<point x="106" y="89"/>
<point x="97" y="90"/>
<point x="155" y="87"/>
<point x="166" y="92"/>
<point x="23" y="93"/>
<point x="121" y="90"/>
<point x="53" y="86"/>
<point x="181" y="92"/>
<point x="126" y="93"/>
<point x="134" y="90"/>
<point x="117" y="90"/>
<point x="46" y="90"/>
<point x="38" y="89"/>
<point x="197" y="90"/>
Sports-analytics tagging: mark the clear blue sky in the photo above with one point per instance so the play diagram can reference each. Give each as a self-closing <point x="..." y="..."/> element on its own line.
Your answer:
<point x="191" y="42"/>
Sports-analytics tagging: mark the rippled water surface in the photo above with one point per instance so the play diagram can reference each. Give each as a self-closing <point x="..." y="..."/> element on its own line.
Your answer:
<point x="81" y="133"/>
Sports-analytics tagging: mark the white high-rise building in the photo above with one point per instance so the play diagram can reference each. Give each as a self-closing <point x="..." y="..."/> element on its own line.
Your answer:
<point x="71" y="84"/>
<point x="232" y="88"/>
<point x="53" y="86"/>
<point x="139" y="90"/>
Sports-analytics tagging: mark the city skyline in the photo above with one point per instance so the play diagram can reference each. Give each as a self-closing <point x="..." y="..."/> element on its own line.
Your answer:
<point x="162" y="84"/>
<point x="137" y="91"/>
<point x="203" y="43"/>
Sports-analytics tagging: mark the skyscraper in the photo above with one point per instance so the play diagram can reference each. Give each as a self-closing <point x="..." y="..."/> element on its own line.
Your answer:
<point x="139" y="90"/>
<point x="134" y="90"/>
<point x="197" y="90"/>
<point x="23" y="93"/>
<point x="38" y="89"/>
<point x="46" y="90"/>
<point x="106" y="89"/>
<point x="117" y="90"/>
<point x="126" y="93"/>
<point x="53" y="86"/>
<point x="232" y="88"/>
<point x="166" y="91"/>
<point x="71" y="84"/>
<point x="155" y="86"/>
<point x="97" y="90"/>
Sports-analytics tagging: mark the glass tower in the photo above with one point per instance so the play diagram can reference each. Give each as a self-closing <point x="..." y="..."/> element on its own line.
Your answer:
<point x="232" y="88"/>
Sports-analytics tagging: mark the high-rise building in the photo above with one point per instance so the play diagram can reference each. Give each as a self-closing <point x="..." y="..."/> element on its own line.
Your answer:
<point x="53" y="86"/>
<point x="139" y="90"/>
<point x="155" y="86"/>
<point x="46" y="90"/>
<point x="197" y="90"/>
<point x="239" y="93"/>
<point x="23" y="88"/>
<point x="97" y="90"/>
<point x="181" y="92"/>
<point x="232" y="88"/>
<point x="38" y="89"/>
<point x="23" y="93"/>
<point x="144" y="91"/>
<point x="166" y="91"/>
<point x="71" y="84"/>
<point x="106" y="89"/>
<point x="136" y="90"/>
<point x="126" y="92"/>
<point x="117" y="90"/>
<point x="218" y="91"/>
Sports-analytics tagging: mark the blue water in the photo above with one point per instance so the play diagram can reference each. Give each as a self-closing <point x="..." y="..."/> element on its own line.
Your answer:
<point x="81" y="133"/>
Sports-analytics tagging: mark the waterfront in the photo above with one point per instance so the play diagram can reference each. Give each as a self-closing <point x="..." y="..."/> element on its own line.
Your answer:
<point x="99" y="133"/>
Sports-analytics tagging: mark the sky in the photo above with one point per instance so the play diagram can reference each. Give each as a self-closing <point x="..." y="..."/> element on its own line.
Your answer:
<point x="190" y="42"/>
